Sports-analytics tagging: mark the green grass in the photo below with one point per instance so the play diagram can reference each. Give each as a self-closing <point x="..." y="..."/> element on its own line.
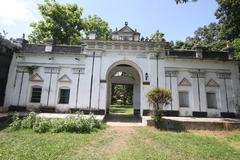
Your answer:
<point x="122" y="109"/>
<point x="117" y="143"/>
<point x="151" y="144"/>
<point x="29" y="145"/>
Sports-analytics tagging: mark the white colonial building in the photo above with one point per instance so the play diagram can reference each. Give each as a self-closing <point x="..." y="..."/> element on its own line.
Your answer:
<point x="65" y="78"/>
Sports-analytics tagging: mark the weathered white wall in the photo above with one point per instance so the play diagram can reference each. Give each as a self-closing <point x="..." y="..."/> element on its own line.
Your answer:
<point x="211" y="69"/>
<point x="143" y="61"/>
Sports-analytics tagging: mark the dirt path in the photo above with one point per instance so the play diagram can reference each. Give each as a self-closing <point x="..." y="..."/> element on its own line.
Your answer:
<point x="107" y="144"/>
<point x="121" y="138"/>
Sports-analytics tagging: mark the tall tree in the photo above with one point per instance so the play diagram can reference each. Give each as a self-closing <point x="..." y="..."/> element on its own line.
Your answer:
<point x="157" y="36"/>
<point x="215" y="35"/>
<point x="236" y="46"/>
<point x="228" y="14"/>
<point x="61" y="22"/>
<point x="178" y="45"/>
<point x="208" y="33"/>
<point x="210" y="36"/>
<point x="100" y="26"/>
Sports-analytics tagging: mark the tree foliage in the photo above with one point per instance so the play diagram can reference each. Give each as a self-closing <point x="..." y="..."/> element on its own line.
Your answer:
<point x="215" y="35"/>
<point x="236" y="46"/>
<point x="209" y="36"/>
<point x="157" y="36"/>
<point x="122" y="93"/>
<point x="61" y="23"/>
<point x="228" y="14"/>
<point x="100" y="26"/>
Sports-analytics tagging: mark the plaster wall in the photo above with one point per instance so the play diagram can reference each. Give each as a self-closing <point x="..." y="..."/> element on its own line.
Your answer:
<point x="105" y="62"/>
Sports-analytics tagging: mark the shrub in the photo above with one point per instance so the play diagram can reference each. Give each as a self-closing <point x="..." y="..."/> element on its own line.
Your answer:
<point x="78" y="124"/>
<point x="159" y="98"/>
<point x="29" y="121"/>
<point x="70" y="124"/>
<point x="42" y="125"/>
<point x="97" y="124"/>
<point x="83" y="124"/>
<point x="16" y="124"/>
<point x="57" y="125"/>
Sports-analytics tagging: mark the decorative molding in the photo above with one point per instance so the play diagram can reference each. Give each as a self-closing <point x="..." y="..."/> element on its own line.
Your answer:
<point x="64" y="78"/>
<point x="224" y="75"/>
<point x="36" y="78"/>
<point x="197" y="74"/>
<point x="53" y="70"/>
<point x="171" y="73"/>
<point x="184" y="82"/>
<point x="125" y="30"/>
<point x="121" y="45"/>
<point x="117" y="46"/>
<point x="100" y="45"/>
<point x="109" y="45"/>
<point x="78" y="70"/>
<point x="142" y="47"/>
<point x="126" y="46"/>
<point x="22" y="69"/>
<point x="212" y="83"/>
<point x="91" y="44"/>
<point x="134" y="47"/>
<point x="151" y="47"/>
<point x="141" y="55"/>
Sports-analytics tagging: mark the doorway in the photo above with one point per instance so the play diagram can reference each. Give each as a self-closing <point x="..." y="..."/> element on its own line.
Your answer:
<point x="121" y="99"/>
<point x="123" y="90"/>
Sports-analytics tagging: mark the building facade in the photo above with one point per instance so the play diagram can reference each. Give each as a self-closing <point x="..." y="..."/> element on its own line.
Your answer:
<point x="67" y="78"/>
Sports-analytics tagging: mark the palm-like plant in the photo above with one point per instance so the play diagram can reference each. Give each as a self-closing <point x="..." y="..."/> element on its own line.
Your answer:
<point x="159" y="98"/>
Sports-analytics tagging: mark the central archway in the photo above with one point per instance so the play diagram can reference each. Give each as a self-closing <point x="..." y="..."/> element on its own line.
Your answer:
<point x="125" y="73"/>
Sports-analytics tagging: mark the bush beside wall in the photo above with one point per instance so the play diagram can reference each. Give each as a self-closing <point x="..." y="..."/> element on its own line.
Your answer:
<point x="78" y="124"/>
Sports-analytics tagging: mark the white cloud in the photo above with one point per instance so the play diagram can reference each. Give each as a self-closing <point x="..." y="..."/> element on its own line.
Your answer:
<point x="12" y="11"/>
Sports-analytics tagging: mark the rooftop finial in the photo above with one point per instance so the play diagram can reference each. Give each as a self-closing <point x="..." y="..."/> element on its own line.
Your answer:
<point x="126" y="23"/>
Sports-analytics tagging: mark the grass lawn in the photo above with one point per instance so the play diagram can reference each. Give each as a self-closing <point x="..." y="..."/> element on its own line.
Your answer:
<point x="122" y="109"/>
<point x="120" y="143"/>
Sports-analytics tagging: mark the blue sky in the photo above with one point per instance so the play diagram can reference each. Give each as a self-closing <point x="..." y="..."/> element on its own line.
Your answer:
<point x="175" y="21"/>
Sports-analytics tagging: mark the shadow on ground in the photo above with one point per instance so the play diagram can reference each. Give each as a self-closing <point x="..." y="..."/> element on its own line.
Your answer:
<point x="123" y="118"/>
<point x="4" y="123"/>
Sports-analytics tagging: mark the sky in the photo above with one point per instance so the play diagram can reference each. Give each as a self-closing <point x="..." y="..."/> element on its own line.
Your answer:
<point x="176" y="21"/>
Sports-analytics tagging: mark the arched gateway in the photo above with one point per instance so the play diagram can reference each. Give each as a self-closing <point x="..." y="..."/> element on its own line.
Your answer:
<point x="125" y="72"/>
